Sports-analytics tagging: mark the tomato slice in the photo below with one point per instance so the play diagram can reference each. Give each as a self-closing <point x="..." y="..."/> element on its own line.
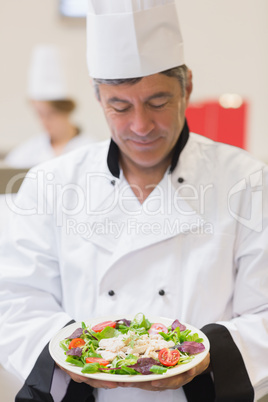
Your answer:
<point x="157" y="327"/>
<point x="169" y="357"/>
<point x="76" y="343"/>
<point x="99" y="360"/>
<point x="102" y="325"/>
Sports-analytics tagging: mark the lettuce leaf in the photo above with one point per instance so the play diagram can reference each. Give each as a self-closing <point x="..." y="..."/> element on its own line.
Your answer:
<point x="74" y="352"/>
<point x="144" y="365"/>
<point x="76" y="334"/>
<point x="176" y="324"/>
<point x="191" y="347"/>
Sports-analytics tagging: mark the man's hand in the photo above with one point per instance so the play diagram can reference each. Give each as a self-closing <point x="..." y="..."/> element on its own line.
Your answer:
<point x="90" y="381"/>
<point x="157" y="385"/>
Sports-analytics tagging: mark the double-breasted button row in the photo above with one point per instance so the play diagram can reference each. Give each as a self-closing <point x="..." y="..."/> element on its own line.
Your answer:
<point x="180" y="180"/>
<point x="112" y="292"/>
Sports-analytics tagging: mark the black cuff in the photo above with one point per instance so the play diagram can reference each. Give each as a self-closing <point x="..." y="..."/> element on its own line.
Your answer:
<point x="37" y="385"/>
<point x="231" y="380"/>
<point x="200" y="389"/>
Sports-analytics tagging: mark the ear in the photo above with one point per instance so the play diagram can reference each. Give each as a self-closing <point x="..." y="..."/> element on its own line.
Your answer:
<point x="189" y="86"/>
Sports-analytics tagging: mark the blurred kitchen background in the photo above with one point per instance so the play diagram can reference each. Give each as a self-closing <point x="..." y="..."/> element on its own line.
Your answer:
<point x="226" y="46"/>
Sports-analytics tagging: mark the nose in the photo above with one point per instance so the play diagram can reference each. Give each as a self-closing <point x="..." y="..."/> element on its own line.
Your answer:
<point x="142" y="123"/>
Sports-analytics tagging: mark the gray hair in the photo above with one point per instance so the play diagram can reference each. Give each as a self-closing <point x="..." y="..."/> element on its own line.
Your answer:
<point x="177" y="72"/>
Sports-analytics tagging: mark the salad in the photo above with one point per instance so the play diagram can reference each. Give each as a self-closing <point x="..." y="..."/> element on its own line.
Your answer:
<point x="136" y="347"/>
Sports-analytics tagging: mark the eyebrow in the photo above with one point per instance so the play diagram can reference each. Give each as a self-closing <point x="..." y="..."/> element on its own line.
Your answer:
<point x="160" y="95"/>
<point x="114" y="99"/>
<point x="157" y="95"/>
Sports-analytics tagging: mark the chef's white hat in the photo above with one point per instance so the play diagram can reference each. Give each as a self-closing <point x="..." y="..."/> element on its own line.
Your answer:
<point x="132" y="38"/>
<point x="47" y="75"/>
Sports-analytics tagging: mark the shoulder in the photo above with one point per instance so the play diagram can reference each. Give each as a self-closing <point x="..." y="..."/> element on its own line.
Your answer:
<point x="226" y="159"/>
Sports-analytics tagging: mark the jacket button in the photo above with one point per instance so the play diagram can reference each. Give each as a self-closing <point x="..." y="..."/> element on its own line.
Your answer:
<point x="161" y="292"/>
<point x="113" y="182"/>
<point x="180" y="179"/>
<point x="111" y="293"/>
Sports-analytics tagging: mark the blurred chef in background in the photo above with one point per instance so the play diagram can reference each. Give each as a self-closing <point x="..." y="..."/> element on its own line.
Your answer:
<point x="49" y="94"/>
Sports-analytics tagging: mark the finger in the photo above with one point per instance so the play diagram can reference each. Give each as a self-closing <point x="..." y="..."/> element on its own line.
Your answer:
<point x="176" y="381"/>
<point x="147" y="386"/>
<point x="102" y="384"/>
<point x="90" y="381"/>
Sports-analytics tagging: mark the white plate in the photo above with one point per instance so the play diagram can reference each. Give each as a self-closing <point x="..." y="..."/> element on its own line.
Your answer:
<point x="58" y="355"/>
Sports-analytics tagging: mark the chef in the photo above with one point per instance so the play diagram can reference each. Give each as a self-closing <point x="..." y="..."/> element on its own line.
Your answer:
<point x="50" y="97"/>
<point x="156" y="220"/>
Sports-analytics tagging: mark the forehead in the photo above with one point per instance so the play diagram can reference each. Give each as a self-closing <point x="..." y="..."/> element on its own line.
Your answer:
<point x="143" y="89"/>
<point x="42" y="106"/>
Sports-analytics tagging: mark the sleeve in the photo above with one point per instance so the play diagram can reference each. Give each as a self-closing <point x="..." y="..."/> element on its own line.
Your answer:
<point x="230" y="381"/>
<point x="239" y="347"/>
<point x="248" y="328"/>
<point x="30" y="284"/>
<point x="37" y="387"/>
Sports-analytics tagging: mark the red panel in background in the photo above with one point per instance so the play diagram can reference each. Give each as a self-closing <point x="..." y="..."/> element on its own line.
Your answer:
<point x="228" y="125"/>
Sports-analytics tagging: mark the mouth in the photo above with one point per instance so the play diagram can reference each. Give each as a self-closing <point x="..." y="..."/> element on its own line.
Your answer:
<point x="144" y="143"/>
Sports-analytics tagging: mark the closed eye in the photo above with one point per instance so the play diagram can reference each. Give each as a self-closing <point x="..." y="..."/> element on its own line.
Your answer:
<point x="158" y="106"/>
<point x="125" y="109"/>
<point x="119" y="105"/>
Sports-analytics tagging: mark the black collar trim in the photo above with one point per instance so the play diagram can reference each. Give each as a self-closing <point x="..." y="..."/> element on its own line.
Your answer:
<point x="113" y="159"/>
<point x="113" y="152"/>
<point x="180" y="144"/>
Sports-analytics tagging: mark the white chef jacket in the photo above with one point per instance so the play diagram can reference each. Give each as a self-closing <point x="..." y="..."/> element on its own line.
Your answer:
<point x="38" y="149"/>
<point x="79" y="232"/>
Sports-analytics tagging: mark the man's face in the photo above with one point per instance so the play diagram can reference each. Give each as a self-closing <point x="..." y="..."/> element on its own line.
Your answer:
<point x="145" y="119"/>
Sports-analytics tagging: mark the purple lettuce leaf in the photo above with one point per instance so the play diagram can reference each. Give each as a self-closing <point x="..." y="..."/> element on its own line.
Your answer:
<point x="191" y="347"/>
<point x="76" y="334"/>
<point x="176" y="324"/>
<point x="144" y="364"/>
<point x="124" y="321"/>
<point x="74" y="352"/>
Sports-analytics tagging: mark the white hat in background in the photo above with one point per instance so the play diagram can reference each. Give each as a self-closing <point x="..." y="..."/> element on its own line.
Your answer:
<point x="47" y="78"/>
<point x="132" y="38"/>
